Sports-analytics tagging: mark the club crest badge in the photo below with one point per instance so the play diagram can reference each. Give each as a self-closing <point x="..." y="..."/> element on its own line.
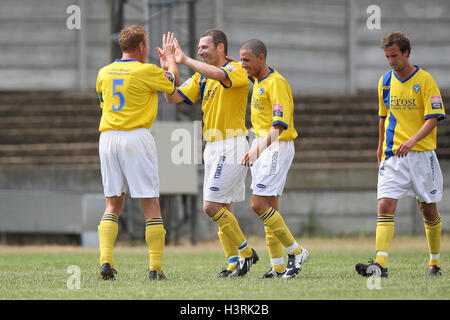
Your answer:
<point x="417" y="88"/>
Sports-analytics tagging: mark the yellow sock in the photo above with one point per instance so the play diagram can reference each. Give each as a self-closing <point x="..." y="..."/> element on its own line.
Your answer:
<point x="155" y="236"/>
<point x="107" y="233"/>
<point x="275" y="250"/>
<point x="384" y="236"/>
<point x="230" y="250"/>
<point x="229" y="225"/>
<point x="433" y="232"/>
<point x="273" y="219"/>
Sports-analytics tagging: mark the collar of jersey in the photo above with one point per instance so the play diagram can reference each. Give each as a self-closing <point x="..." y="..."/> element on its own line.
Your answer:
<point x="412" y="75"/>
<point x="228" y="61"/>
<point x="270" y="72"/>
<point x="124" y="60"/>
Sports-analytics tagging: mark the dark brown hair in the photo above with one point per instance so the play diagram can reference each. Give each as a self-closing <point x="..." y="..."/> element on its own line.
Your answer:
<point x="256" y="46"/>
<point x="399" y="39"/>
<point x="217" y="36"/>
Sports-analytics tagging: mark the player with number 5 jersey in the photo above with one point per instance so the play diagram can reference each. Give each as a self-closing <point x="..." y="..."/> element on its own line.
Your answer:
<point x="130" y="82"/>
<point x="127" y="90"/>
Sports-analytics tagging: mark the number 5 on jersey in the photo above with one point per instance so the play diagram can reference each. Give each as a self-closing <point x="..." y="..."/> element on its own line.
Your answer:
<point x="118" y="82"/>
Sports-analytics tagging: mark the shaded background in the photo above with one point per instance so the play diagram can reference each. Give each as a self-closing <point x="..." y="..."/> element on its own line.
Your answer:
<point x="50" y="183"/>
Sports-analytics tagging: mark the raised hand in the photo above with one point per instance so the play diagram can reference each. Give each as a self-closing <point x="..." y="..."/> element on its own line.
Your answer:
<point x="168" y="50"/>
<point x="180" y="57"/>
<point x="169" y="44"/>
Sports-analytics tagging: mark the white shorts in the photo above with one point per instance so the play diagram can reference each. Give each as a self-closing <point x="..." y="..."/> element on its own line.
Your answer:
<point x="224" y="180"/>
<point x="417" y="175"/>
<point x="129" y="158"/>
<point x="269" y="172"/>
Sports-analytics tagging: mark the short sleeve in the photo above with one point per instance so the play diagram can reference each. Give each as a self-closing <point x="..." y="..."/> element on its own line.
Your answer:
<point x="282" y="103"/>
<point x="236" y="75"/>
<point x="432" y="100"/>
<point x="382" y="108"/>
<point x="156" y="78"/>
<point x="190" y="89"/>
<point x="98" y="87"/>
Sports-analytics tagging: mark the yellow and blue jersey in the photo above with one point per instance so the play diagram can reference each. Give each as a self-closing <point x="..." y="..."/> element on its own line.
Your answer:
<point x="272" y="103"/>
<point x="128" y="94"/>
<point x="223" y="103"/>
<point x="406" y="104"/>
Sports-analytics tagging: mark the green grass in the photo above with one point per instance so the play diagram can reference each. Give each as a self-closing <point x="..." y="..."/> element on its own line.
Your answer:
<point x="41" y="273"/>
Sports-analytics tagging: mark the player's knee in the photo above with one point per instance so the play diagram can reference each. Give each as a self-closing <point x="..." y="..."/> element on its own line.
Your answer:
<point x="211" y="208"/>
<point x="114" y="204"/>
<point x="387" y="206"/>
<point x="429" y="210"/>
<point x="259" y="207"/>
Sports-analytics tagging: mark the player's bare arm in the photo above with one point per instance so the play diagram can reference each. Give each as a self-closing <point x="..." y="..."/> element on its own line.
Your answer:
<point x="273" y="134"/>
<point x="380" y="139"/>
<point x="207" y="70"/>
<point x="174" y="97"/>
<point x="424" y="131"/>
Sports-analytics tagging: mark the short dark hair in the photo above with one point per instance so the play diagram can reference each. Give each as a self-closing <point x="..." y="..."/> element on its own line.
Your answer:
<point x="256" y="46"/>
<point x="399" y="39"/>
<point x="218" y="36"/>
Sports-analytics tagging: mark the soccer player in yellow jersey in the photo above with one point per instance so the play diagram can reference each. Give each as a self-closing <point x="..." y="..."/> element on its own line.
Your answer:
<point x="127" y="90"/>
<point x="410" y="106"/>
<point x="222" y="86"/>
<point x="271" y="155"/>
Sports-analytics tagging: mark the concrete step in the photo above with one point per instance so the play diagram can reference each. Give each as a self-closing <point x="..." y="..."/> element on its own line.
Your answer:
<point x="48" y="135"/>
<point x="51" y="120"/>
<point x="49" y="160"/>
<point x="303" y="121"/>
<point x="335" y="156"/>
<point x="336" y="143"/>
<point x="48" y="98"/>
<point x="348" y="109"/>
<point x="61" y="128"/>
<point x="10" y="110"/>
<point x="49" y="149"/>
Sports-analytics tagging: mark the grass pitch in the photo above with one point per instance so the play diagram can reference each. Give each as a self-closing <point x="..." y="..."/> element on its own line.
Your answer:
<point x="36" y="272"/>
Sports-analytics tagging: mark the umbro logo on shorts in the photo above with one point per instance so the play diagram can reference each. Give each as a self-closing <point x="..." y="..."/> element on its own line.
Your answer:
<point x="261" y="186"/>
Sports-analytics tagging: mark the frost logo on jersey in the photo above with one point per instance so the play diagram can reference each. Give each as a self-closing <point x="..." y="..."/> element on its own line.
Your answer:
<point x="218" y="172"/>
<point x="403" y="104"/>
<point x="436" y="102"/>
<point x="277" y="110"/>
<point x="417" y="88"/>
